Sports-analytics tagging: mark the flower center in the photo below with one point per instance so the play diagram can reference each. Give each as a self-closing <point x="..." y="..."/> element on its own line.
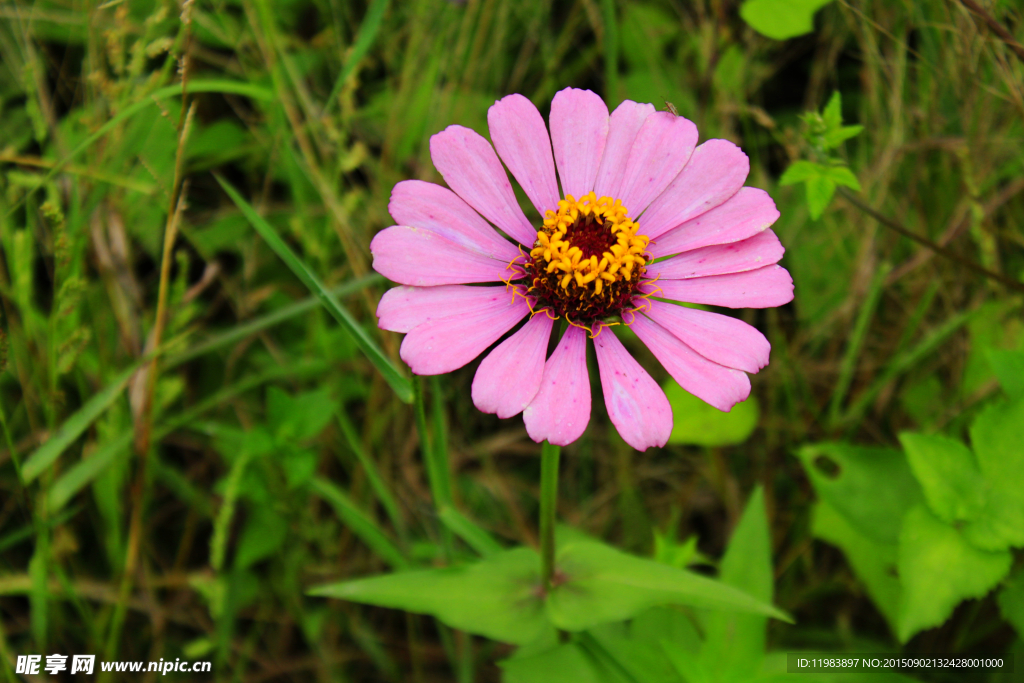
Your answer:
<point x="588" y="259"/>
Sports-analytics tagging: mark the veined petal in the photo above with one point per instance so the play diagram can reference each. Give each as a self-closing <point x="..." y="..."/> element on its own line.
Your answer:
<point x="508" y="379"/>
<point x="403" y="308"/>
<point x="719" y="338"/>
<point x="625" y="123"/>
<point x="660" y="151"/>
<point x="468" y="164"/>
<point x="579" y="130"/>
<point x="714" y="384"/>
<point x="763" y="249"/>
<point x="445" y="344"/>
<point x="762" y="288"/>
<point x="426" y="205"/>
<point x="561" y="409"/>
<point x="415" y="256"/>
<point x="521" y="138"/>
<point x="746" y="213"/>
<point x="715" y="172"/>
<point x="636" y="404"/>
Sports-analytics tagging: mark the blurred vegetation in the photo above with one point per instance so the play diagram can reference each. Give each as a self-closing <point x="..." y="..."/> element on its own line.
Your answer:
<point x="190" y="441"/>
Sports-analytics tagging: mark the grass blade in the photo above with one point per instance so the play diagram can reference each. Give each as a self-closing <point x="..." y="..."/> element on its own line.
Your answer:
<point x="45" y="455"/>
<point x="364" y="39"/>
<point x="370" y="467"/>
<point x="360" y="523"/>
<point x="475" y="537"/>
<point x="391" y="374"/>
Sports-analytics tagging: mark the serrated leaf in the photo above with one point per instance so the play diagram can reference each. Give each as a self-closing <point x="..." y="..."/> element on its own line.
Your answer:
<point x="872" y="488"/>
<point x="602" y="585"/>
<point x="873" y="561"/>
<point x="938" y="569"/>
<point x="996" y="437"/>
<point x="264" y="534"/>
<point x="801" y="171"/>
<point x="819" y="193"/>
<point x="1009" y="369"/>
<point x="832" y="114"/>
<point x="498" y="597"/>
<point x="781" y="19"/>
<point x="697" y="423"/>
<point x="735" y="643"/>
<point x="841" y="175"/>
<point x="949" y="477"/>
<point x="833" y="138"/>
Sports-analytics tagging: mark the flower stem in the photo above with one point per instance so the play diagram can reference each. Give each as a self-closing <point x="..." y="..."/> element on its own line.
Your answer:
<point x="548" y="503"/>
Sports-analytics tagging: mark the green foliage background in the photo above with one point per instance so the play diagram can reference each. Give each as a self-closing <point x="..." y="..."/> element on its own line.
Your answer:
<point x="201" y="422"/>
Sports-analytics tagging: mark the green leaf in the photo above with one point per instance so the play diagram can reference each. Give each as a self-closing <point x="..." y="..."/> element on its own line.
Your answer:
<point x="475" y="537"/>
<point x="368" y="30"/>
<point x="72" y="428"/>
<point x="695" y="422"/>
<point x="566" y="662"/>
<point x="841" y="175"/>
<point x="299" y="465"/>
<point x="873" y="561"/>
<point x="498" y="597"/>
<point x="871" y="487"/>
<point x="1011" y="602"/>
<point x="735" y="643"/>
<point x="938" y="569"/>
<point x="299" y="417"/>
<point x="832" y="114"/>
<point x="833" y="138"/>
<point x="781" y="19"/>
<point x="601" y="585"/>
<point x="264" y="534"/>
<point x="996" y="436"/>
<point x="1009" y="369"/>
<point x="819" y="194"/>
<point x="801" y="171"/>
<point x="949" y="477"/>
<point x="360" y="523"/>
<point x="397" y="381"/>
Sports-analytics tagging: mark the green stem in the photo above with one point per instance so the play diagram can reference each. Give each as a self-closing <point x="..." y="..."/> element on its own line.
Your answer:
<point x="548" y="503"/>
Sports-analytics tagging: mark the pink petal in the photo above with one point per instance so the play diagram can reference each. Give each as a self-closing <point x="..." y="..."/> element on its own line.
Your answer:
<point x="719" y="338"/>
<point x="660" y="151"/>
<point x="426" y="205"/>
<point x="561" y="409"/>
<point x="714" y="384"/>
<point x="762" y="288"/>
<point x="403" y="308"/>
<point x="636" y="404"/>
<point x="468" y="164"/>
<point x="761" y="250"/>
<point x="521" y="138"/>
<point x="508" y="379"/>
<point x="746" y="213"/>
<point x="579" y="130"/>
<point x="415" y="256"/>
<point x="446" y="344"/>
<point x="625" y="123"/>
<point x="715" y="172"/>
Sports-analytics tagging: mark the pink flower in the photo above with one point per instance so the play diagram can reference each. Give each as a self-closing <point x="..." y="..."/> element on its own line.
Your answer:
<point x="635" y="188"/>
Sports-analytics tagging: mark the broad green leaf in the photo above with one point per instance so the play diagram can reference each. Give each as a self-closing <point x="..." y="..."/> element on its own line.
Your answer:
<point x="871" y="487"/>
<point x="264" y="534"/>
<point x="735" y="643"/>
<point x="832" y="114"/>
<point x="996" y="436"/>
<point x="781" y="19"/>
<point x="697" y="423"/>
<point x="498" y="597"/>
<point x="873" y="561"/>
<point x="801" y="171"/>
<point x="566" y="662"/>
<point x="299" y="417"/>
<point x="949" y="477"/>
<point x="299" y="465"/>
<point x="397" y="381"/>
<point x="689" y="666"/>
<point x="601" y="584"/>
<point x="841" y="175"/>
<point x="1011" y="602"/>
<point x="819" y="194"/>
<point x="618" y="647"/>
<point x="938" y="569"/>
<point x="670" y="624"/>
<point x="72" y="428"/>
<point x="833" y="138"/>
<point x="1009" y="369"/>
